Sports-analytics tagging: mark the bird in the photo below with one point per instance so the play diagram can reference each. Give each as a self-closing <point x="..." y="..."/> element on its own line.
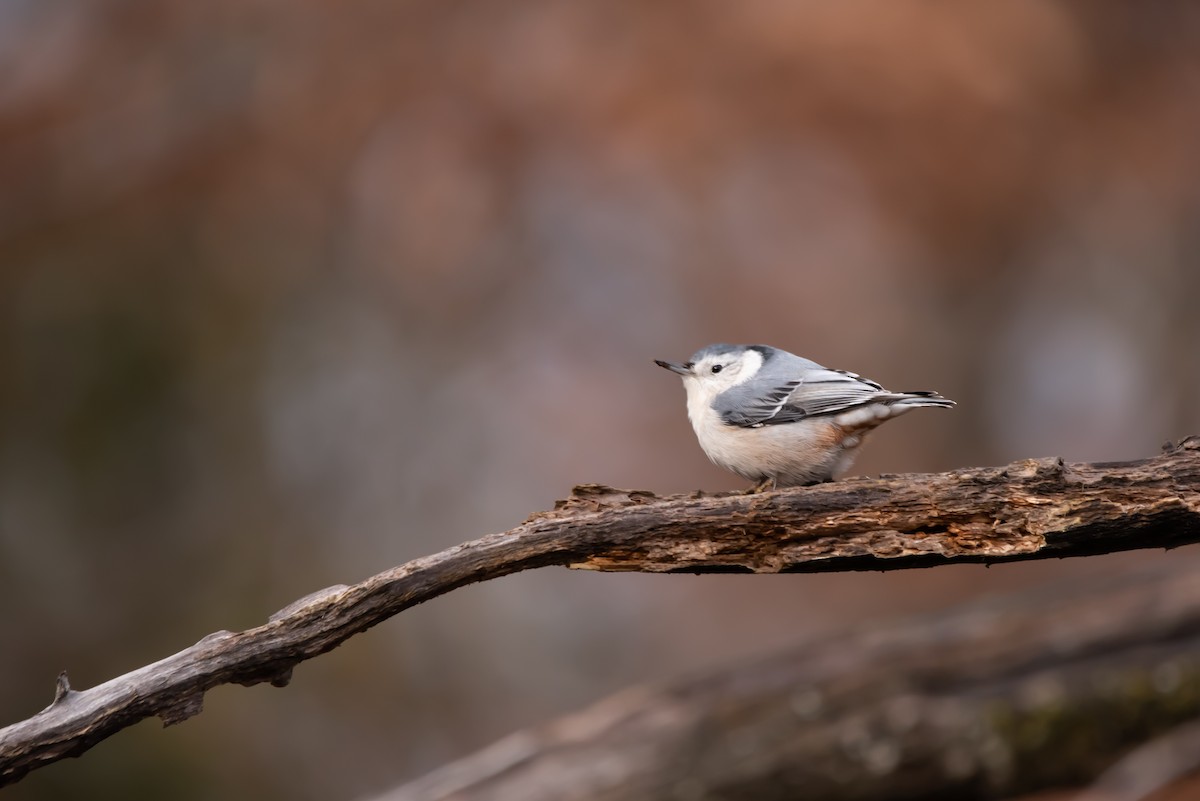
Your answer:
<point x="781" y="420"/>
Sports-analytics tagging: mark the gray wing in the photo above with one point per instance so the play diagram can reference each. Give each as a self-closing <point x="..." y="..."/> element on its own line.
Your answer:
<point x="817" y="391"/>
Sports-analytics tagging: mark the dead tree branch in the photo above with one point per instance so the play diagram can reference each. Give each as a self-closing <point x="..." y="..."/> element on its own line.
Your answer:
<point x="1033" y="509"/>
<point x="995" y="700"/>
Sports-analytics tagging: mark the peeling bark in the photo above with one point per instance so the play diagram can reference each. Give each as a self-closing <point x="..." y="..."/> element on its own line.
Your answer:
<point x="1032" y="509"/>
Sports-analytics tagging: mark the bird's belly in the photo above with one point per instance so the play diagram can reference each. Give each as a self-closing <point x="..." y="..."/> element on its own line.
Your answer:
<point x="805" y="452"/>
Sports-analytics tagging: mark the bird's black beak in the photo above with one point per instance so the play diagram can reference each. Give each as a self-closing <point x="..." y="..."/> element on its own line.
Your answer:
<point x="682" y="369"/>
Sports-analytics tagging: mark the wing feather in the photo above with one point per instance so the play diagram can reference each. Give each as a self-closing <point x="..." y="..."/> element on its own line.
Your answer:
<point x="819" y="391"/>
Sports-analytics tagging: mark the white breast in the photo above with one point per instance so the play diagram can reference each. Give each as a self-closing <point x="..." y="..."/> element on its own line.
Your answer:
<point x="803" y="452"/>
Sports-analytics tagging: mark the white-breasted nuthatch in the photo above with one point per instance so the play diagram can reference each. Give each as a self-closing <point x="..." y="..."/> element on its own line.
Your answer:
<point x="781" y="420"/>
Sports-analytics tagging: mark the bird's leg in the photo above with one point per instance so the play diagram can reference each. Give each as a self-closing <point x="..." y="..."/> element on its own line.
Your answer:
<point x="762" y="486"/>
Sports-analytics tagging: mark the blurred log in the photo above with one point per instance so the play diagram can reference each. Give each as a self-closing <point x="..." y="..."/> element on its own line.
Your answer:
<point x="993" y="701"/>
<point x="1033" y="509"/>
<point x="1152" y="768"/>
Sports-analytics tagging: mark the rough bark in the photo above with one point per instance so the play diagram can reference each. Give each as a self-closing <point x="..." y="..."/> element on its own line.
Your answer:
<point x="1028" y="510"/>
<point x="993" y="701"/>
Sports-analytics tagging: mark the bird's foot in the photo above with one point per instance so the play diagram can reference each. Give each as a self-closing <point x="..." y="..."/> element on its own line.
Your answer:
<point x="762" y="486"/>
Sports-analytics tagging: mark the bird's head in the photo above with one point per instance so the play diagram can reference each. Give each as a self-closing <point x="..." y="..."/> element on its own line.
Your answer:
<point x="717" y="368"/>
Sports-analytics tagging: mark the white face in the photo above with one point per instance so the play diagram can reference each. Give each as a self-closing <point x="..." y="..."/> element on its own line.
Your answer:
<point x="714" y="374"/>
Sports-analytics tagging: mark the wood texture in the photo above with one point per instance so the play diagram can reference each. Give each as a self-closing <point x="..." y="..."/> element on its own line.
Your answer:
<point x="1028" y="510"/>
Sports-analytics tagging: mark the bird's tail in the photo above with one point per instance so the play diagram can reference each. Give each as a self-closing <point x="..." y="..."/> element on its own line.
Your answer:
<point x="912" y="400"/>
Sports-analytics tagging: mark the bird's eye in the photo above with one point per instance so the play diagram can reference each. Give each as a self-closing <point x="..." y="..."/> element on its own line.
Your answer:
<point x="716" y="368"/>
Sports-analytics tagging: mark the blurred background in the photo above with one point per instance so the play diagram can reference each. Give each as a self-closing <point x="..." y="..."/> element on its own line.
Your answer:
<point x="291" y="293"/>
